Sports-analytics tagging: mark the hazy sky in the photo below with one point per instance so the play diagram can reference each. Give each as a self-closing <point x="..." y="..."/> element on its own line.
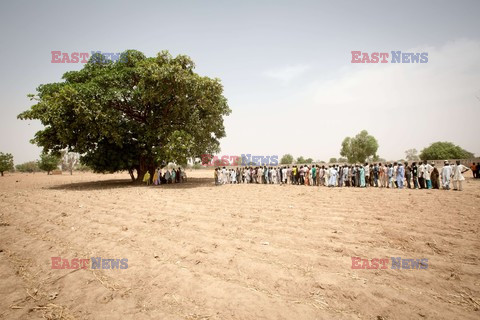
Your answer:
<point x="285" y="66"/>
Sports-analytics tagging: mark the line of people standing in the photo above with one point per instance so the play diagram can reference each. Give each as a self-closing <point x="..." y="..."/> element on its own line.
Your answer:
<point x="390" y="175"/>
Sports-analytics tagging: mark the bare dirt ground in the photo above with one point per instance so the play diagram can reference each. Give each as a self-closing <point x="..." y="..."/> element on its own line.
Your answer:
<point x="197" y="251"/>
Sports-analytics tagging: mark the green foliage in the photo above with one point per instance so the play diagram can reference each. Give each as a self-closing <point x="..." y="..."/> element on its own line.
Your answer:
<point x="332" y="160"/>
<point x="30" y="166"/>
<point x="82" y="168"/>
<point x="308" y="160"/>
<point x="300" y="160"/>
<point x="359" y="148"/>
<point x="49" y="162"/>
<point x="444" y="150"/>
<point x="6" y="162"/>
<point x="341" y="159"/>
<point x="131" y="114"/>
<point x="286" y="159"/>
<point x="412" y="155"/>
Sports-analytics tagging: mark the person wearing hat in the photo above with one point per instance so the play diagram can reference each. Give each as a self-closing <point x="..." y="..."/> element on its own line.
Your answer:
<point x="446" y="175"/>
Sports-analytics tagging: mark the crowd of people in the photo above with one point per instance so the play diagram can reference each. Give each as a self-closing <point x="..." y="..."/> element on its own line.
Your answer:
<point x="169" y="176"/>
<point x="423" y="175"/>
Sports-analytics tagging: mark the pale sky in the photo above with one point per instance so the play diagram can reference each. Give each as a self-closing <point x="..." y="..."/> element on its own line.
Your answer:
<point x="285" y="66"/>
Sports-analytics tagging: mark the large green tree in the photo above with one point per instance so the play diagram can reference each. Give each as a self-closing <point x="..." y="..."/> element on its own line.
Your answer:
<point x="286" y="159"/>
<point x="359" y="148"/>
<point x="6" y="162"/>
<point x="444" y="150"/>
<point x="132" y="114"/>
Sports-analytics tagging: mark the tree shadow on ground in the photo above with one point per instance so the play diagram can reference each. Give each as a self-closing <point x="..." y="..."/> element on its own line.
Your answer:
<point x="127" y="183"/>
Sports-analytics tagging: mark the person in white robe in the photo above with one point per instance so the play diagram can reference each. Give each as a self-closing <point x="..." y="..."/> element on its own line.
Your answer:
<point x="457" y="175"/>
<point x="332" y="177"/>
<point x="274" y="175"/>
<point x="326" y="176"/>
<point x="224" y="175"/>
<point x="446" y="175"/>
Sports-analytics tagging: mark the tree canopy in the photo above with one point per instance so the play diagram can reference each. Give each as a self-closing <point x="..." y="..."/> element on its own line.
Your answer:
<point x="300" y="160"/>
<point x="49" y="162"/>
<point x="359" y="148"/>
<point x="286" y="159"/>
<point x="132" y="114"/>
<point x="444" y="150"/>
<point x="412" y="155"/>
<point x="30" y="166"/>
<point x="6" y="162"/>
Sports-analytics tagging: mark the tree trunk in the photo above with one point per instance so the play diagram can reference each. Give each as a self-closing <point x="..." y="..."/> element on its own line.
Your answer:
<point x="2" y="173"/>
<point x="130" y="171"/>
<point x="145" y="165"/>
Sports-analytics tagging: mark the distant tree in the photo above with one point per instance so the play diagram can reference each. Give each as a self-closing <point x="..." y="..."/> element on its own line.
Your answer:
<point x="412" y="155"/>
<point x="286" y="159"/>
<point x="341" y="159"/>
<point x="49" y="162"/>
<point x="444" y="150"/>
<point x="69" y="161"/>
<point x="308" y="160"/>
<point x="359" y="148"/>
<point x="6" y="162"/>
<point x="332" y="160"/>
<point x="300" y="160"/>
<point x="30" y="166"/>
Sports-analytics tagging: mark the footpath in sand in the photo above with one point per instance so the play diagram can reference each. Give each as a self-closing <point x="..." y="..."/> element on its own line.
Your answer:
<point x="198" y="251"/>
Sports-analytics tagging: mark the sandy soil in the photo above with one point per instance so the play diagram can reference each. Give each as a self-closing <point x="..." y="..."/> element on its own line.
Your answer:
<point x="197" y="251"/>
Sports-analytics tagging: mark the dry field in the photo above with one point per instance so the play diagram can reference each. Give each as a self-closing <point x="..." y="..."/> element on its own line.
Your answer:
<point x="197" y="251"/>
